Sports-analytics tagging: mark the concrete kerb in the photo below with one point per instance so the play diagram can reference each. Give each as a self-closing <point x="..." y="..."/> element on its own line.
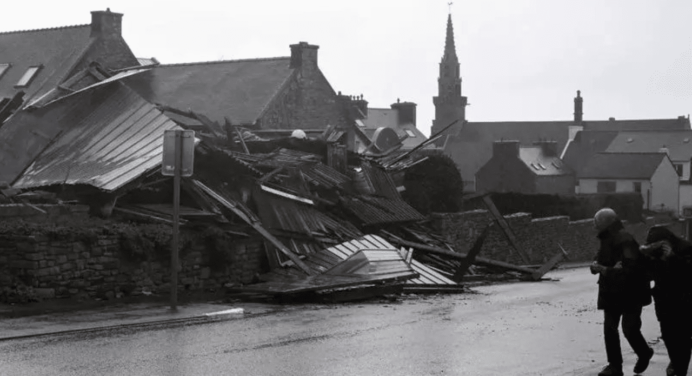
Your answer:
<point x="33" y="327"/>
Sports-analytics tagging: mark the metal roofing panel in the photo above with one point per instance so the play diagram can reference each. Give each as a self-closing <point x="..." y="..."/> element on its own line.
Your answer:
<point x="118" y="140"/>
<point x="373" y="210"/>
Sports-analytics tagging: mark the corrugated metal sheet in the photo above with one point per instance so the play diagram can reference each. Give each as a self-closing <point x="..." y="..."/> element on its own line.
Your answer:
<point x="120" y="139"/>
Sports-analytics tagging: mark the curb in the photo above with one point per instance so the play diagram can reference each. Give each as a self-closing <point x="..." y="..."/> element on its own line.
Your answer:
<point x="235" y="313"/>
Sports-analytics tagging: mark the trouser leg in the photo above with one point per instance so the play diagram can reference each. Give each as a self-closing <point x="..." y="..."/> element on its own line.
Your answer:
<point x="631" y="328"/>
<point x="677" y="336"/>
<point x="611" y="322"/>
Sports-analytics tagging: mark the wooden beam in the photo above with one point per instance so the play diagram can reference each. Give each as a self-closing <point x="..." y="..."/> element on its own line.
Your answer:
<point x="471" y="256"/>
<point x="256" y="225"/>
<point x="505" y="228"/>
<point x="538" y="274"/>
<point x="462" y="256"/>
<point x="237" y="132"/>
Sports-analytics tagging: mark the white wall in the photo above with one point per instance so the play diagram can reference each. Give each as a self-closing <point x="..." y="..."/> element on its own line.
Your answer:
<point x="621" y="186"/>
<point x="685" y="169"/>
<point x="685" y="195"/>
<point x="665" y="188"/>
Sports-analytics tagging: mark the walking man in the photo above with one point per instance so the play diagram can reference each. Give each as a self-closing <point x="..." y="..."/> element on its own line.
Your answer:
<point x="623" y="290"/>
<point x="671" y="266"/>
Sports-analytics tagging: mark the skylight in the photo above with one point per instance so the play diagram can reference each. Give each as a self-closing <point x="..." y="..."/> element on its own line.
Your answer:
<point x="360" y="123"/>
<point x="410" y="133"/>
<point x="3" y="68"/>
<point x="28" y="76"/>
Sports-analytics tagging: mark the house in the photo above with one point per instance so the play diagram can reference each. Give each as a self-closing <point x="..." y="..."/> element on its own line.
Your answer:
<point x="525" y="169"/>
<point x="34" y="62"/>
<point x="676" y="143"/>
<point x="400" y="117"/>
<point x="270" y="96"/>
<point x="653" y="175"/>
<point x="469" y="143"/>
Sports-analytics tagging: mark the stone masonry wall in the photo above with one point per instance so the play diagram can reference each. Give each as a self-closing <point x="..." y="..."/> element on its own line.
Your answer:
<point x="62" y="267"/>
<point x="538" y="237"/>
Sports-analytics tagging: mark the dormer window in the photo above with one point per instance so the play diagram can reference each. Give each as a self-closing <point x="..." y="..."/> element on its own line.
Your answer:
<point x="28" y="76"/>
<point x="3" y="68"/>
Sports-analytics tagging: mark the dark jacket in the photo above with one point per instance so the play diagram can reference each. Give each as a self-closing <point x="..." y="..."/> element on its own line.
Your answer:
<point x="624" y="288"/>
<point x="673" y="276"/>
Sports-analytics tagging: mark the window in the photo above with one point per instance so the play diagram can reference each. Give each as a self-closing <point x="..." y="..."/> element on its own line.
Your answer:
<point x="637" y="186"/>
<point x="3" y="68"/>
<point x="28" y="76"/>
<point x="678" y="168"/>
<point x="410" y="133"/>
<point x="605" y="187"/>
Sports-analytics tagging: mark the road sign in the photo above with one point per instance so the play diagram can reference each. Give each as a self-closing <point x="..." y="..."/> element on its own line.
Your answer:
<point x="187" y="152"/>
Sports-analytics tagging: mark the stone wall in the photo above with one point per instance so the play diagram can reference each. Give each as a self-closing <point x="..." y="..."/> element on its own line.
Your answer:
<point x="538" y="237"/>
<point x="59" y="266"/>
<point x="43" y="212"/>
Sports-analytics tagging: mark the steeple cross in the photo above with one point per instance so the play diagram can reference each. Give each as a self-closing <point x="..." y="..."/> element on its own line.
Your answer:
<point x="450" y="6"/>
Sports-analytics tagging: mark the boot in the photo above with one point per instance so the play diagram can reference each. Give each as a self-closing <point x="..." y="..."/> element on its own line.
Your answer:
<point x="611" y="370"/>
<point x="643" y="362"/>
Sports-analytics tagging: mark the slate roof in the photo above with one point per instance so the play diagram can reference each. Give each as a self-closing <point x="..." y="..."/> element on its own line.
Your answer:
<point x="541" y="164"/>
<point x="622" y="166"/>
<point x="117" y="140"/>
<point x="585" y="145"/>
<point x="638" y="124"/>
<point x="387" y="117"/>
<point x="57" y="49"/>
<point x="678" y="143"/>
<point x="238" y="89"/>
<point x="471" y="148"/>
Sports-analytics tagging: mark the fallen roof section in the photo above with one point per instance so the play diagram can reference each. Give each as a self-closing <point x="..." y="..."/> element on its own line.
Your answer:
<point x="118" y="140"/>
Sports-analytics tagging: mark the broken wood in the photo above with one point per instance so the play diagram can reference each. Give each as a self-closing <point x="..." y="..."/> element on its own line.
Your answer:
<point x="237" y="132"/>
<point x="538" y="274"/>
<point x="461" y="256"/>
<point x="500" y="219"/>
<point x="256" y="225"/>
<point x="471" y="256"/>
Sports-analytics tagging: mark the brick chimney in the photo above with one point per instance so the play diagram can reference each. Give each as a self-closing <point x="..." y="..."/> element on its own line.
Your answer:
<point x="506" y="149"/>
<point x="549" y="148"/>
<point x="578" y="107"/>
<point x="407" y="112"/>
<point x="106" y="24"/>
<point x="304" y="55"/>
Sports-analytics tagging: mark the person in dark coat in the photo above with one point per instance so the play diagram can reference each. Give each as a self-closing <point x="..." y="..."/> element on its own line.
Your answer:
<point x="671" y="268"/>
<point x="623" y="290"/>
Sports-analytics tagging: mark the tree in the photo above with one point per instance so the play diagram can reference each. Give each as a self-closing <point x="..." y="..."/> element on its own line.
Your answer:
<point x="434" y="186"/>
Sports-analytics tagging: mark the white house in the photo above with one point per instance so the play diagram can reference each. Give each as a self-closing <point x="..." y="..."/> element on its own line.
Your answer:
<point x="653" y="175"/>
<point x="676" y="143"/>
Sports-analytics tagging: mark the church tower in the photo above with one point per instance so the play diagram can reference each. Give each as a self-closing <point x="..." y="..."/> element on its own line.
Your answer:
<point x="449" y="104"/>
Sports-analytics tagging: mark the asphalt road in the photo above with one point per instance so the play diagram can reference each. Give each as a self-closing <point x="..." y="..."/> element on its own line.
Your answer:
<point x="541" y="328"/>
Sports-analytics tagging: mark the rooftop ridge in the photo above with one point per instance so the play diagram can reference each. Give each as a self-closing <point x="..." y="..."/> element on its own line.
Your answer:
<point x="631" y="152"/>
<point x="43" y="29"/>
<point x="209" y="62"/>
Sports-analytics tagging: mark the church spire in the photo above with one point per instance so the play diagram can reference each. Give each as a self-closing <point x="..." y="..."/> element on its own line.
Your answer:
<point x="450" y="48"/>
<point x="450" y="105"/>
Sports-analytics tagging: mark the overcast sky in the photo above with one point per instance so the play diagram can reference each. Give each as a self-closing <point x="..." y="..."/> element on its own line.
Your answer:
<point x="520" y="59"/>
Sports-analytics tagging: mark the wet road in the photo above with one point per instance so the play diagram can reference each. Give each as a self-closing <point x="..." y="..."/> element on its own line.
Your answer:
<point x="542" y="328"/>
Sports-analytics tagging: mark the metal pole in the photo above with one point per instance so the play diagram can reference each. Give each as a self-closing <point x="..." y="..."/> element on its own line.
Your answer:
<point x="176" y="209"/>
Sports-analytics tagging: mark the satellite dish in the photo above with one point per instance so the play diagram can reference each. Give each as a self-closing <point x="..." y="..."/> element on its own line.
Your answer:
<point x="385" y="138"/>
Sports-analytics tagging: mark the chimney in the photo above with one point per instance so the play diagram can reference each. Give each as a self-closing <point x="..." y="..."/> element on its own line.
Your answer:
<point x="106" y="24"/>
<point x="549" y="148"/>
<point x="407" y="112"/>
<point x="304" y="56"/>
<point x="506" y="149"/>
<point x="578" y="107"/>
<point x="362" y="105"/>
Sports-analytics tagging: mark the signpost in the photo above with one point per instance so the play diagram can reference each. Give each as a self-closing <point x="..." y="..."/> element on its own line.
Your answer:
<point x="178" y="161"/>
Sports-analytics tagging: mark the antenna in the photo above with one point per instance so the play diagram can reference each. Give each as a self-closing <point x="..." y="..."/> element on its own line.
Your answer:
<point x="450" y="6"/>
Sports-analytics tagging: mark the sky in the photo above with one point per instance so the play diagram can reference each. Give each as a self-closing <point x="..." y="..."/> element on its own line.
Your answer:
<point x="521" y="60"/>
